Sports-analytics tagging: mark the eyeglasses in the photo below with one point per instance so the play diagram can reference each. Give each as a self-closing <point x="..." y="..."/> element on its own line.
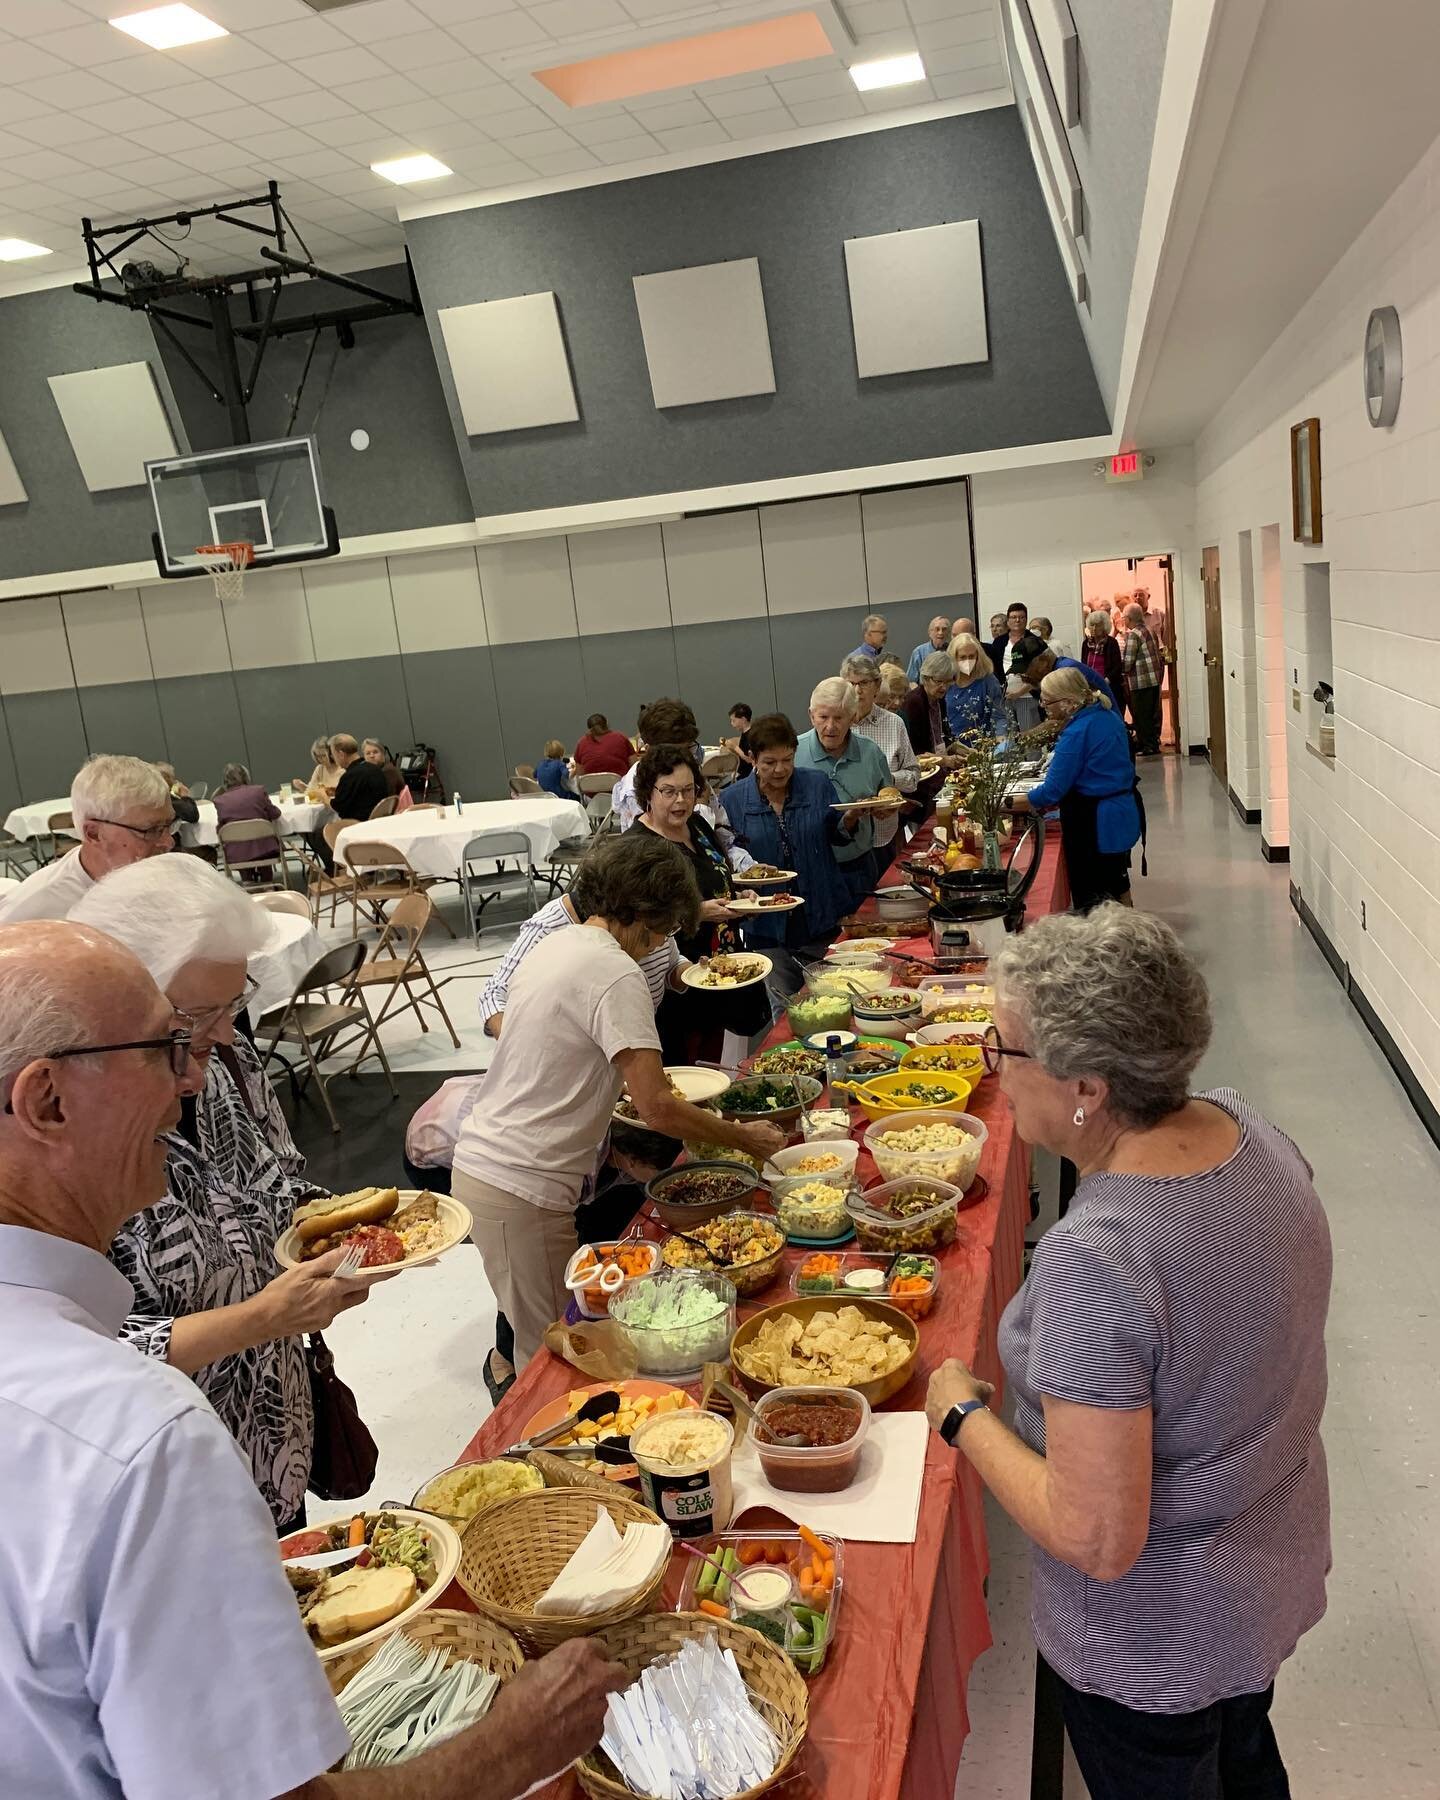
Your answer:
<point x="991" y="1050"/>
<point x="177" y="1043"/>
<point x="152" y="834"/>
<point x="675" y="793"/>
<point x="201" y="1022"/>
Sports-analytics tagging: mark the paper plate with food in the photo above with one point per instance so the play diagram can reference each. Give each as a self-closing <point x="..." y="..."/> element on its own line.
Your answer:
<point x="886" y="800"/>
<point x="766" y="875"/>
<point x="742" y="970"/>
<point x="403" y="1562"/>
<point x="639" y="1399"/>
<point x="764" y="903"/>
<point x="396" y="1228"/>
<point x="686" y="1083"/>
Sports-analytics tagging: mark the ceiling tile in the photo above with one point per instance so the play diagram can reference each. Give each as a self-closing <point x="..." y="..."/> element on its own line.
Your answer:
<point x="357" y="181"/>
<point x="760" y="124"/>
<point x="579" y="18"/>
<point x="603" y="131"/>
<point x="672" y="115"/>
<point x="318" y="105"/>
<point x="694" y="137"/>
<point x="381" y="19"/>
<point x="969" y="29"/>
<point x="245" y="15"/>
<point x="828" y="84"/>
<point x="960" y="56"/>
<point x="55" y="128"/>
<point x="735" y="105"/>
<point x="460" y="76"/>
<point x="218" y="57"/>
<point x="38" y="165"/>
<point x="450" y="12"/>
<point x="456" y="136"/>
<point x="420" y="50"/>
<point x="415" y="115"/>
<point x="867" y="17"/>
<point x="825" y="112"/>
<point x="630" y="149"/>
<point x="511" y="120"/>
<point x="989" y="78"/>
<point x="10" y="145"/>
<point x="29" y="18"/>
<point x="104" y="152"/>
<point x="310" y="163"/>
<point x="128" y="114"/>
<point x="265" y="86"/>
<point x="512" y="30"/>
<point x="149" y="75"/>
<point x="279" y="140"/>
<point x="213" y="158"/>
<point x="244" y="121"/>
<point x="150" y="169"/>
<point x="546" y="142"/>
<point x="93" y="184"/>
<point x="309" y="37"/>
<point x="340" y="66"/>
<point x="929" y="12"/>
<point x="382" y="90"/>
<point x="349" y="130"/>
<point x="195" y="99"/>
<point x="565" y="162"/>
<point x="691" y="11"/>
<point x="22" y="106"/>
<point x="86" y="45"/>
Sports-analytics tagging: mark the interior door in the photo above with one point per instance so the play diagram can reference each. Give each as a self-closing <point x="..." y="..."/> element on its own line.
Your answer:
<point x="1214" y="661"/>
<point x="1170" y="675"/>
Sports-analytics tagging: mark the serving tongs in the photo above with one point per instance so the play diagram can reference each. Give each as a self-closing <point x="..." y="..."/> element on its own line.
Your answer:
<point x="611" y="1450"/>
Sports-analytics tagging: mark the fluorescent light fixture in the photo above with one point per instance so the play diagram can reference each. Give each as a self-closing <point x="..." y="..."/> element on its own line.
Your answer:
<point x="16" y="250"/>
<point x="404" y="169"/>
<point x="168" y="27"/>
<point x="888" y="71"/>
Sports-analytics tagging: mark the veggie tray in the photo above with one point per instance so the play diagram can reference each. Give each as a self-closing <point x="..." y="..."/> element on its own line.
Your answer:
<point x="639" y="1399"/>
<point x="814" y="1565"/>
<point x="422" y="1226"/>
<point x="408" y="1560"/>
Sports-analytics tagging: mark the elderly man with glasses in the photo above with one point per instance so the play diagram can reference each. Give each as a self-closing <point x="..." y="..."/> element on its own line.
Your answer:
<point x="149" y="1641"/>
<point x="122" y="810"/>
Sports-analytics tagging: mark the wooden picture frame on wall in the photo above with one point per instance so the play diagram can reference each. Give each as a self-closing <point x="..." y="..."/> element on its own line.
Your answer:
<point x="1305" y="482"/>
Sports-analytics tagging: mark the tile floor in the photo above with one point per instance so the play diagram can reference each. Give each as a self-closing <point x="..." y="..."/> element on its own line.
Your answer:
<point x="1358" y="1707"/>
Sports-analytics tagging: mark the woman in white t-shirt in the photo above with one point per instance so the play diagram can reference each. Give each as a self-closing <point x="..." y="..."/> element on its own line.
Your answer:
<point x="579" y="1026"/>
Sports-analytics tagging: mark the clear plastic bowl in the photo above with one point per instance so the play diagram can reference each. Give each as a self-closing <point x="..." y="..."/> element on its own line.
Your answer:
<point x="592" y="1302"/>
<point x="888" y="1021"/>
<point x="815" y="1468"/>
<point x="878" y="1229"/>
<point x="671" y="1351"/>
<point x="804" y="1209"/>
<point x="852" y="980"/>
<point x="806" y="1287"/>
<point x="955" y="1162"/>
<point x="813" y="1014"/>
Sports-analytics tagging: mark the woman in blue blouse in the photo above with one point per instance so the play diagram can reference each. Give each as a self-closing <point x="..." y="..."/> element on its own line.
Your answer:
<point x="786" y="816"/>
<point x="976" y="702"/>
<point x="1092" y="780"/>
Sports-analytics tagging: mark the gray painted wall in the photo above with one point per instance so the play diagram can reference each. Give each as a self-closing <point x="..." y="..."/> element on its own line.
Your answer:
<point x="793" y="209"/>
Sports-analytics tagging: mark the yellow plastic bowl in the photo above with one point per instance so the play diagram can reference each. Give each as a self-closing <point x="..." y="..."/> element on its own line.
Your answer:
<point x="952" y="1059"/>
<point x="884" y="1097"/>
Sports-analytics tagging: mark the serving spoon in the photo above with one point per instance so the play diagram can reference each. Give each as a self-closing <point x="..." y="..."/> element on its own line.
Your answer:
<point x="722" y="1387"/>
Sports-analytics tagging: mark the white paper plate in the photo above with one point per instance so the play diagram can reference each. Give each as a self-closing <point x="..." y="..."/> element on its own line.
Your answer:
<point x="694" y="1083"/>
<point x="754" y="909"/>
<point x="444" y="1547"/>
<point x="694" y="976"/>
<point x="454" y="1217"/>
<point x="762" y="881"/>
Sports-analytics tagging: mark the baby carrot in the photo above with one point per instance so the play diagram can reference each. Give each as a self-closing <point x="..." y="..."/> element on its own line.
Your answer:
<point x="715" y="1611"/>
<point x="356" y="1534"/>
<point x="815" y="1543"/>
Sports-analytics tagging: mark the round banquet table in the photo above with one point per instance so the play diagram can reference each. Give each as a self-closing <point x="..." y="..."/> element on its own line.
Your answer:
<point x="435" y="842"/>
<point x="33" y="818"/>
<point x="296" y="818"/>
<point x="292" y="946"/>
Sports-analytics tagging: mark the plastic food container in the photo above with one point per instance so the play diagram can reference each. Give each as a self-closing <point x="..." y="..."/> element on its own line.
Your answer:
<point x="819" y="1468"/>
<point x="855" y="956"/>
<point x="925" y="1222"/>
<point x="825" y="1279"/>
<point x="676" y="1351"/>
<point x="813" y="1207"/>
<point x="852" y="980"/>
<point x="896" y="1010"/>
<point x="810" y="1619"/>
<point x="746" y="1278"/>
<point x="593" y="1300"/>
<point x="920" y="1275"/>
<point x="895" y="1143"/>
<point x="816" y="1014"/>
<point x="943" y="991"/>
<point x="692" y="1491"/>
<point x="826" y="1125"/>
<point x="841" y="1157"/>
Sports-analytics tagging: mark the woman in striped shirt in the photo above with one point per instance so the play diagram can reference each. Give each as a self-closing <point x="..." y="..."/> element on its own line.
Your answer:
<point x="1167" y="1358"/>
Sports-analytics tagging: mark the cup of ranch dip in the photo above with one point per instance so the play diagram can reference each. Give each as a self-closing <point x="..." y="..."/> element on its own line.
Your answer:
<point x="684" y="1463"/>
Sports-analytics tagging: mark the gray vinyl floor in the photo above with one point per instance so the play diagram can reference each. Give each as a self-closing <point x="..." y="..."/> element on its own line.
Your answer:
<point x="1358" y="1708"/>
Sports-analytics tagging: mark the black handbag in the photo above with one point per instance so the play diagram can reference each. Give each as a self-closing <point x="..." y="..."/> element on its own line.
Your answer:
<point x="342" y="1463"/>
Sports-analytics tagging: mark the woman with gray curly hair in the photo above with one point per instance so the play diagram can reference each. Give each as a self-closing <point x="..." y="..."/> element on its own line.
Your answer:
<point x="1167" y="1361"/>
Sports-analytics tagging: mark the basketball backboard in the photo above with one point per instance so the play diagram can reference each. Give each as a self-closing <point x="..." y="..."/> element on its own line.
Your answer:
<point x="267" y="494"/>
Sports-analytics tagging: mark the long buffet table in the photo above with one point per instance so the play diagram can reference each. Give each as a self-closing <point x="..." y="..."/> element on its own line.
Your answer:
<point x="888" y="1718"/>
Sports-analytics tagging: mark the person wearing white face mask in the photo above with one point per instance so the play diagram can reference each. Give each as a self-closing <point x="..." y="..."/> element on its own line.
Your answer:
<point x="976" y="702"/>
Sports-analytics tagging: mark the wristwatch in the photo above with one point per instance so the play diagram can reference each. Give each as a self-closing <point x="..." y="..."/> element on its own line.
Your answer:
<point x="956" y="1417"/>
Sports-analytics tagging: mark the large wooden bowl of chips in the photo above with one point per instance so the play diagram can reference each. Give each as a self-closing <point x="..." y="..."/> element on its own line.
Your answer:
<point x="749" y="1342"/>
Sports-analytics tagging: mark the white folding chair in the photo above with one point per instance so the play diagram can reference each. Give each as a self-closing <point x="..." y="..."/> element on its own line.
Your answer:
<point x="494" y="846"/>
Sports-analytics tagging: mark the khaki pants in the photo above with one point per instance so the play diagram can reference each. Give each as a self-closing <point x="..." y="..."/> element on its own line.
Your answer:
<point x="525" y="1250"/>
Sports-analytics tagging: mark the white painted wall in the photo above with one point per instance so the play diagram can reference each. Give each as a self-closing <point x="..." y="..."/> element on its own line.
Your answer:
<point x="1034" y="528"/>
<point x="1364" y="833"/>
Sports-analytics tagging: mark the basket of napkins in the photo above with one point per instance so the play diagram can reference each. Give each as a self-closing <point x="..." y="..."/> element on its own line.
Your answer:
<point x="563" y="1563"/>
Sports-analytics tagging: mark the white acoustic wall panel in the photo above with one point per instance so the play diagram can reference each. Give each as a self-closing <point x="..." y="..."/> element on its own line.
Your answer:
<point x="917" y="298"/>
<point x="526" y="589"/>
<point x="1060" y="52"/>
<point x="619" y="579"/>
<point x="814" y="555"/>
<point x="115" y="421"/>
<point x="715" y="568"/>
<point x="185" y="629"/>
<point x="268" y="627"/>
<point x="12" y="488"/>
<point x="917" y="543"/>
<point x="509" y="364"/>
<point x="437" y="600"/>
<point x="34" y="653"/>
<point x="351" y="612"/>
<point x="107" y="637"/>
<point x="705" y="333"/>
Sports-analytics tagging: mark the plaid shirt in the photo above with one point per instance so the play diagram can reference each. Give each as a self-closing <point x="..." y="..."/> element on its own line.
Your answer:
<point x="1142" y="658"/>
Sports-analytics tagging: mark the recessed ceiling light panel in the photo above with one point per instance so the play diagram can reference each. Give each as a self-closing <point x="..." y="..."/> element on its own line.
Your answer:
<point x="405" y="169"/>
<point x="16" y="250"/>
<point x="168" y="27"/>
<point x="888" y="71"/>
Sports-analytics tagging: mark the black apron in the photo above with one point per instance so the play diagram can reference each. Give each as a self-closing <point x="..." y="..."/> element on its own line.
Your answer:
<point x="1094" y="877"/>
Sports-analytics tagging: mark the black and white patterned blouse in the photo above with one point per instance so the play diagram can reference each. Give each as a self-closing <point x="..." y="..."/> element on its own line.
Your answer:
<point x="210" y="1242"/>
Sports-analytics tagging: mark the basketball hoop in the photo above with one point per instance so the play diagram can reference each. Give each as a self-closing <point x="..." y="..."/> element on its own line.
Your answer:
<point x="227" y="564"/>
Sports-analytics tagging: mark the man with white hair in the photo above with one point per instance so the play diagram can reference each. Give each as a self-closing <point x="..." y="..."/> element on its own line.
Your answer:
<point x="858" y="771"/>
<point x="122" y="810"/>
<point x="885" y="730"/>
<point x="938" y="639"/>
<point x="149" y="1641"/>
<point x="1144" y="665"/>
<point x="873" y="633"/>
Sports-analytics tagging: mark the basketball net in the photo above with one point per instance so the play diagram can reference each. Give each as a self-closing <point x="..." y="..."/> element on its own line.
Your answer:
<point x="227" y="564"/>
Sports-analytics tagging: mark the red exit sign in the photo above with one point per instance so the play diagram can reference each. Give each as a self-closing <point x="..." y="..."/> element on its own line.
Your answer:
<point x="1128" y="465"/>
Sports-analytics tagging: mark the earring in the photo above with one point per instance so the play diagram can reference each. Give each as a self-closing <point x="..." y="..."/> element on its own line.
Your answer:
<point x="1079" y="1118"/>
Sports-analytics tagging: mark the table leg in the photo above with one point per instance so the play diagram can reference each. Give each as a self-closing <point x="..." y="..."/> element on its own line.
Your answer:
<point x="1047" y="1743"/>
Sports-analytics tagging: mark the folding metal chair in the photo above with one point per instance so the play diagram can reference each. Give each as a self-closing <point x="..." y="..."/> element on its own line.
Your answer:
<point x="58" y="825"/>
<point x="494" y="846"/>
<point x="19" y="856"/>
<point x="284" y="902"/>
<point x="381" y="872"/>
<point x="382" y="809"/>
<point x="719" y="768"/>
<point x="199" y="790"/>
<point x="524" y="784"/>
<point x="398" y="966"/>
<point x="265" y="869"/>
<point x="321" y="1027"/>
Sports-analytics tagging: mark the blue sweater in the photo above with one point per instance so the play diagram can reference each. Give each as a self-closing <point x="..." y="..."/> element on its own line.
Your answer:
<point x="554" y="777"/>
<point x="811" y="829"/>
<point x="1092" y="756"/>
<point x="978" y="707"/>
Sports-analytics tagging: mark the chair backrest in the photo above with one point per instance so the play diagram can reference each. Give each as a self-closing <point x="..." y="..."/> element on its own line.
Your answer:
<point x="377" y="856"/>
<point x="720" y="762"/>
<point x="596" y="784"/>
<point x="333" y="969"/>
<point x="284" y="903"/>
<point x="245" y="831"/>
<point x="61" y="821"/>
<point x="382" y="809"/>
<point x="525" y="769"/>
<point x="199" y="789"/>
<point x="490" y="846"/>
<point x="524" y="784"/>
<point x="334" y="827"/>
<point x="408" y="922"/>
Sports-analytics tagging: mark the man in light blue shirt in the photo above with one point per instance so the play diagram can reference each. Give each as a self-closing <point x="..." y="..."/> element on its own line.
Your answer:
<point x="938" y="639"/>
<point x="873" y="633"/>
<point x="150" y="1645"/>
<point x="858" y="769"/>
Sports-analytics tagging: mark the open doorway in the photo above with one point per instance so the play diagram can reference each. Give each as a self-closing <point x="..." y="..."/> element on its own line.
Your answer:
<point x="1149" y="582"/>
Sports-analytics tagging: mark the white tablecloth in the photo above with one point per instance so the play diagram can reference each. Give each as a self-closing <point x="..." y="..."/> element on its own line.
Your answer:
<point x="293" y="946"/>
<point x="33" y="819"/>
<point x="435" y="841"/>
<point x="8" y="884"/>
<point x="296" y="818"/>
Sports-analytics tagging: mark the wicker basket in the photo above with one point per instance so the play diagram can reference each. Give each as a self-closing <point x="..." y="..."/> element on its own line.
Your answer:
<point x="516" y="1548"/>
<point x="478" y="1640"/>
<point x="776" y="1687"/>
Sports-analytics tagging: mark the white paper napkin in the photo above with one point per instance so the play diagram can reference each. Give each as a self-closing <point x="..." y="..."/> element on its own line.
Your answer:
<point x="881" y="1505"/>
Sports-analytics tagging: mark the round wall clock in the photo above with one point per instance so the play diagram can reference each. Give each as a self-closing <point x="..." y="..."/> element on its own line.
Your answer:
<point x="1384" y="365"/>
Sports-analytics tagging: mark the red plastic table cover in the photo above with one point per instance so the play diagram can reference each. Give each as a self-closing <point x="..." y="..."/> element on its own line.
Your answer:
<point x="888" y="1716"/>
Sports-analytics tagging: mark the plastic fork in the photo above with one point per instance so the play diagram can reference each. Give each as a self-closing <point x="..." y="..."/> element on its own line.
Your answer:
<point x="350" y="1266"/>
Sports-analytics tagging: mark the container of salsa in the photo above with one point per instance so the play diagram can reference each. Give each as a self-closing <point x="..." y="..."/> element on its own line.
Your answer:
<point x="834" y="1423"/>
